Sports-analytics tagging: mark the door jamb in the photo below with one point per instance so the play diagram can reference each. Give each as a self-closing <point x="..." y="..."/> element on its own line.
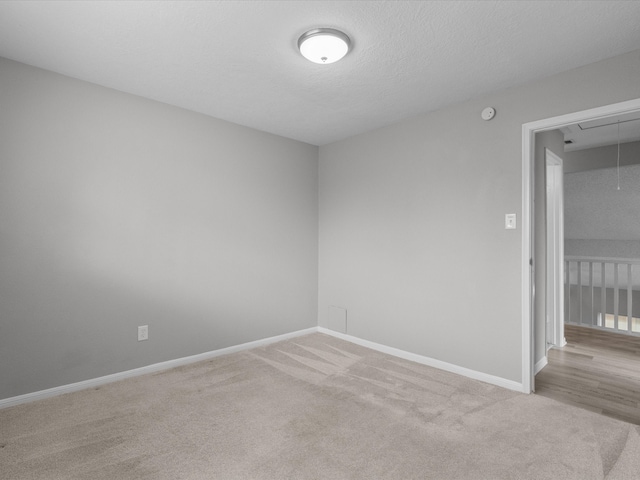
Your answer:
<point x="556" y="234"/>
<point x="528" y="155"/>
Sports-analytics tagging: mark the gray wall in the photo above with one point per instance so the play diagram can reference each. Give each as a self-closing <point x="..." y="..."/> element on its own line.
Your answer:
<point x="602" y="248"/>
<point x="116" y="211"/>
<point x="601" y="157"/>
<point x="601" y="221"/>
<point x="554" y="141"/>
<point x="412" y="238"/>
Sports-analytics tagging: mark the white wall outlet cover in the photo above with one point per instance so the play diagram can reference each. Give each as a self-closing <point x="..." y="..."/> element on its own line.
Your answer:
<point x="143" y="332"/>
<point x="488" y="113"/>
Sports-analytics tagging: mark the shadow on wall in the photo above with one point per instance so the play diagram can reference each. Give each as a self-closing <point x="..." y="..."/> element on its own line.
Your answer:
<point x="67" y="324"/>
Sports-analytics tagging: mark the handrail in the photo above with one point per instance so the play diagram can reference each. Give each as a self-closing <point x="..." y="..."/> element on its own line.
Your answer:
<point x="578" y="258"/>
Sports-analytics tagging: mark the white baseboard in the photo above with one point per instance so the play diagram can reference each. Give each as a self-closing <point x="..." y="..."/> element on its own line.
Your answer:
<point x="156" y="367"/>
<point x="540" y="364"/>
<point x="431" y="362"/>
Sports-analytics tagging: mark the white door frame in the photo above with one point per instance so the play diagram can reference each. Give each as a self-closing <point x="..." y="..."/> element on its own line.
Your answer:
<point x="554" y="315"/>
<point x="528" y="155"/>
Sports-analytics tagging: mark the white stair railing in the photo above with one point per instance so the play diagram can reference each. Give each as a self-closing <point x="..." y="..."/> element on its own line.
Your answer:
<point x="603" y="293"/>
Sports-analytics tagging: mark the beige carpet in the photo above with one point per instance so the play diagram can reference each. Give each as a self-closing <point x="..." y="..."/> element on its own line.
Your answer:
<point x="314" y="407"/>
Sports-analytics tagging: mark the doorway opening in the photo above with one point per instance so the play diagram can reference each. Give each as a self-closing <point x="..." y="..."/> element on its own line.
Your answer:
<point x="529" y="132"/>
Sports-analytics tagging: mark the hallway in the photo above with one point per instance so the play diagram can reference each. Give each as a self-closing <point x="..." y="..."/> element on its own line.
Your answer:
<point x="596" y="370"/>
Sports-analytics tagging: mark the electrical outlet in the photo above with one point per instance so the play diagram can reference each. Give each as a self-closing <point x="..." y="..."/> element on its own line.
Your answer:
<point x="143" y="332"/>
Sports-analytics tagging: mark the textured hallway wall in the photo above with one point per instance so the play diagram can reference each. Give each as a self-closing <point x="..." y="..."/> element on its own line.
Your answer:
<point x="600" y="220"/>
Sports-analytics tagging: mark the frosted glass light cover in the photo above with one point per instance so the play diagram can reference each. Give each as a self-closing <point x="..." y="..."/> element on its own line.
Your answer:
<point x="324" y="46"/>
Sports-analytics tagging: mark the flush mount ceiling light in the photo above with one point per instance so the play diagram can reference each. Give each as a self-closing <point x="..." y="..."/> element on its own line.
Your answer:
<point x="324" y="45"/>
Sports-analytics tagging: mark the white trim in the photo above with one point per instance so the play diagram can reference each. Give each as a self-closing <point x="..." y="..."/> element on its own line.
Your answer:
<point x="528" y="132"/>
<point x="555" y="255"/>
<point x="431" y="362"/>
<point x="156" y="367"/>
<point x="580" y="258"/>
<point x="527" y="256"/>
<point x="540" y="365"/>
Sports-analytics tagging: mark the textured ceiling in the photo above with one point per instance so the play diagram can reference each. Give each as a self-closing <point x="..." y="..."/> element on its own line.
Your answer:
<point x="238" y="60"/>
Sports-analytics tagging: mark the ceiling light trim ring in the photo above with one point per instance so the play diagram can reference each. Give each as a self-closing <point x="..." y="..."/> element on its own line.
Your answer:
<point x="324" y="32"/>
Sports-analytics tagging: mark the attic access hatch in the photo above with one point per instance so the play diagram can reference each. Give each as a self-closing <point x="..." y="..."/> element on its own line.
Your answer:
<point x="601" y="132"/>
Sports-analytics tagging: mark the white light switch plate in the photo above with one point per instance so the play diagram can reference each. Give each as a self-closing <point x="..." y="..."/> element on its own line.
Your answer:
<point x="510" y="221"/>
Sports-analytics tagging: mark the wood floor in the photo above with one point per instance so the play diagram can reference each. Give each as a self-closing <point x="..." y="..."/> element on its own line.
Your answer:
<point x="596" y="370"/>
